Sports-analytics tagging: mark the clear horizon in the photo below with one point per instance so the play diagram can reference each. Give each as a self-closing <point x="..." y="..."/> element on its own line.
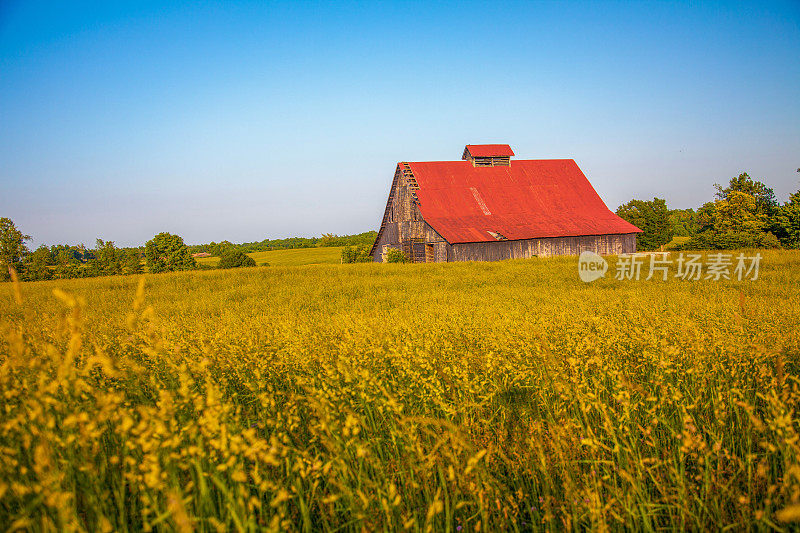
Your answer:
<point x="251" y="121"/>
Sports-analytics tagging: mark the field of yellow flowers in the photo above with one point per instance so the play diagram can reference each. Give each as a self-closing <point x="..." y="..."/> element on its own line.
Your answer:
<point x="451" y="397"/>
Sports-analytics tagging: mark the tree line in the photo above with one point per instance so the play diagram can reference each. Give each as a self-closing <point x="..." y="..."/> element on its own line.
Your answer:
<point x="165" y="252"/>
<point x="742" y="214"/>
<point x="326" y="240"/>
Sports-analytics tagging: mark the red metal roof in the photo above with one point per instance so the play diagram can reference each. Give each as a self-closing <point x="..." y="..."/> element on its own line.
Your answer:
<point x="490" y="150"/>
<point x="529" y="199"/>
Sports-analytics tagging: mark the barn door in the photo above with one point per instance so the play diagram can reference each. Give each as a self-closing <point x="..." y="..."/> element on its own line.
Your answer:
<point x="429" y="255"/>
<point x="418" y="252"/>
<point x="407" y="248"/>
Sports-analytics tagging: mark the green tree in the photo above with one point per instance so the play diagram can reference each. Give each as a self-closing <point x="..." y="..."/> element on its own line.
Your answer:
<point x="37" y="264"/>
<point x="766" y="203"/>
<point x="739" y="213"/>
<point x="683" y="222"/>
<point x="219" y="249"/>
<point x="67" y="264"/>
<point x="742" y="216"/>
<point x="705" y="217"/>
<point x="107" y="259"/>
<point x="764" y="196"/>
<point x="736" y="222"/>
<point x="233" y="258"/>
<point x="652" y="217"/>
<point x="167" y="253"/>
<point x="12" y="248"/>
<point x="133" y="262"/>
<point x="789" y="219"/>
<point x="74" y="251"/>
<point x="327" y="239"/>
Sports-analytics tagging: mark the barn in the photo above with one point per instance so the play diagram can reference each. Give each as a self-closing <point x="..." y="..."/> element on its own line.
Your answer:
<point x="489" y="207"/>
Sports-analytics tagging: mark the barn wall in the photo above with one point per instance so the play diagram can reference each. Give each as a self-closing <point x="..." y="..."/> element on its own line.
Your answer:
<point x="499" y="250"/>
<point x="388" y="236"/>
<point x="396" y="210"/>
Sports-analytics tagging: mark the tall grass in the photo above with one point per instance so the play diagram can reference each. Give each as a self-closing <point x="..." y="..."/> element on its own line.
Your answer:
<point x="454" y="397"/>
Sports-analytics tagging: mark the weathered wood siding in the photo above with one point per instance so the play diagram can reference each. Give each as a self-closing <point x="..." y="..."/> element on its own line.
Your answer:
<point x="499" y="250"/>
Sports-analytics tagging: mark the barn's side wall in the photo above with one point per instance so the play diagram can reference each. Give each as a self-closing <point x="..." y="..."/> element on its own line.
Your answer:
<point x="499" y="250"/>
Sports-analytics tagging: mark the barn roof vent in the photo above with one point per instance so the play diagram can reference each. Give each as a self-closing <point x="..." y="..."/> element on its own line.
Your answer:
<point x="488" y="155"/>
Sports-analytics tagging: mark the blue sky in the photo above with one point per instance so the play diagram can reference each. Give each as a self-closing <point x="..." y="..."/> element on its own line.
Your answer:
<point x="242" y="121"/>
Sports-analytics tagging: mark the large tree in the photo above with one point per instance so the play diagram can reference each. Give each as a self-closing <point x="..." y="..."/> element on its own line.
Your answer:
<point x="67" y="263"/>
<point x="107" y="259"/>
<point x="12" y="247"/>
<point x="683" y="222"/>
<point x="133" y="262"/>
<point x="652" y="217"/>
<point x="789" y="219"/>
<point x="37" y="264"/>
<point x="744" y="215"/>
<point x="221" y="248"/>
<point x="166" y="253"/>
<point x="766" y="203"/>
<point x="764" y="196"/>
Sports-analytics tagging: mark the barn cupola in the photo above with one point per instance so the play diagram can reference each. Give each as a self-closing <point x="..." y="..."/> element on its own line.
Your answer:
<point x="488" y="155"/>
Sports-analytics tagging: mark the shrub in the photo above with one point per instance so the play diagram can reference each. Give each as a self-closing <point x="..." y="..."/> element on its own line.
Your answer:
<point x="356" y="254"/>
<point x="729" y="241"/>
<point x="393" y="255"/>
<point x="232" y="258"/>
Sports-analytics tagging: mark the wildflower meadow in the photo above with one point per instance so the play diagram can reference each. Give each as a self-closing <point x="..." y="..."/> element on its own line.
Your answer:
<point x="503" y="396"/>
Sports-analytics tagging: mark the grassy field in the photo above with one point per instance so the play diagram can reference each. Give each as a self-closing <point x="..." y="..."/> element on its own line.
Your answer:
<point x="292" y="257"/>
<point x="675" y="242"/>
<point x="445" y="397"/>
